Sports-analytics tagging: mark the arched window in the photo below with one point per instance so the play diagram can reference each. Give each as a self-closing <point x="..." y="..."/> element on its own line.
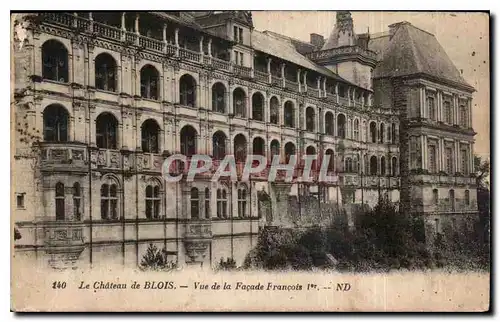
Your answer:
<point x="435" y="197"/>
<point x="329" y="123"/>
<point x="289" y="114"/>
<point x="382" y="133"/>
<point x="242" y="202"/>
<point x="77" y="201"/>
<point x="105" y="72"/>
<point x="219" y="145"/>
<point x="109" y="201"/>
<point x="348" y="165"/>
<point x="373" y="165"/>
<point x="394" y="166"/>
<point x="187" y="90"/>
<point x="188" y="141"/>
<point x="219" y="98"/>
<point x="310" y="150"/>
<point x="150" y="132"/>
<point x="55" y="124"/>
<point x="221" y="203"/>
<point x="149" y="82"/>
<point x="274" y="110"/>
<point x="467" y="197"/>
<point x="289" y="150"/>
<point x="382" y="165"/>
<point x="452" y="199"/>
<point x="356" y="129"/>
<point x="240" y="102"/>
<point x="195" y="204"/>
<point x="153" y="201"/>
<point x="60" y="207"/>
<point x="207" y="203"/>
<point x="341" y="126"/>
<point x="259" y="146"/>
<point x="310" y="119"/>
<point x="258" y="106"/>
<point x="447" y="112"/>
<point x="55" y="61"/>
<point x="373" y="132"/>
<point x="331" y="161"/>
<point x="275" y="148"/>
<point x="106" y="131"/>
<point x="240" y="148"/>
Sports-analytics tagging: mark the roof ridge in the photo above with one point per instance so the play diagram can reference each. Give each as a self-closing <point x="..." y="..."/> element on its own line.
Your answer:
<point x="414" y="51"/>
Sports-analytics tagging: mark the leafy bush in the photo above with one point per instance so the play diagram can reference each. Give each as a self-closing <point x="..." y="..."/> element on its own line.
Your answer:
<point x="383" y="239"/>
<point x="156" y="259"/>
<point x="226" y="265"/>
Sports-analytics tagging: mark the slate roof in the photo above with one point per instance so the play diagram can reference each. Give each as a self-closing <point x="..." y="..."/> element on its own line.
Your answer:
<point x="413" y="51"/>
<point x="284" y="49"/>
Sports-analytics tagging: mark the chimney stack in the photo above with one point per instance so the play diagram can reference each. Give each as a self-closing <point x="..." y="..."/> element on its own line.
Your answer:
<point x="317" y="40"/>
<point x="395" y="26"/>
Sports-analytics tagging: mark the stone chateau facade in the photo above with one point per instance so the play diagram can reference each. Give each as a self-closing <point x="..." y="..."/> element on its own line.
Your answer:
<point x="102" y="98"/>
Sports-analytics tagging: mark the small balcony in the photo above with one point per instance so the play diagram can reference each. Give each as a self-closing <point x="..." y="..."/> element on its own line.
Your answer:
<point x="313" y="92"/>
<point x="198" y="230"/>
<point x="276" y="81"/>
<point x="189" y="54"/>
<point x="242" y="71"/>
<point x="106" y="158"/>
<point x="261" y="76"/>
<point x="197" y="239"/>
<point x="291" y="85"/>
<point x="64" y="242"/>
<point x="64" y="236"/>
<point x="218" y="63"/>
<point x="65" y="156"/>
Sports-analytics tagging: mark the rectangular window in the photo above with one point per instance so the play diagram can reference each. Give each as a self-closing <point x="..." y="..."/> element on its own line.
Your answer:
<point x="432" y="159"/>
<point x="235" y="33"/>
<point x="431" y="108"/>
<point x="241" y="59"/>
<point x="447" y="113"/>
<point x="240" y="40"/>
<point x="464" y="160"/>
<point x="463" y="116"/>
<point x="236" y="57"/>
<point x="449" y="160"/>
<point x="20" y="201"/>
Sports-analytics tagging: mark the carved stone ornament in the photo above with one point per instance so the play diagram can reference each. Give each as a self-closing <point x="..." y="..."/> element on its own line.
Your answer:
<point x="197" y="250"/>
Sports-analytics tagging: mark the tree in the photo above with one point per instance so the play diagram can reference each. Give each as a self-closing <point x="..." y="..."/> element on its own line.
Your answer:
<point x="482" y="172"/>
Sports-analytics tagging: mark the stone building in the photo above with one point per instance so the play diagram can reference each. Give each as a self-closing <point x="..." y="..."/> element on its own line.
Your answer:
<point x="101" y="99"/>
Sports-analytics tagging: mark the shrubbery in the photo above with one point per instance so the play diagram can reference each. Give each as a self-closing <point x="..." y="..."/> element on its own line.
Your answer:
<point x="156" y="259"/>
<point x="383" y="239"/>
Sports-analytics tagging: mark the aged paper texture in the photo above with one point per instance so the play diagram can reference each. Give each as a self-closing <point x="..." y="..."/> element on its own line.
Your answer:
<point x="250" y="161"/>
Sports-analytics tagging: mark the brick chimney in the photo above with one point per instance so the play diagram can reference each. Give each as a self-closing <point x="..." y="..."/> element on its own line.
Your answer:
<point x="317" y="41"/>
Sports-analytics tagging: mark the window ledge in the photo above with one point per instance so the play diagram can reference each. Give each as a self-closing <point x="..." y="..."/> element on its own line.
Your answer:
<point x="50" y="81"/>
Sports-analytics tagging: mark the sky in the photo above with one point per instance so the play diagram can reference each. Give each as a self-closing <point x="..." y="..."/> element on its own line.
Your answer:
<point x="464" y="36"/>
